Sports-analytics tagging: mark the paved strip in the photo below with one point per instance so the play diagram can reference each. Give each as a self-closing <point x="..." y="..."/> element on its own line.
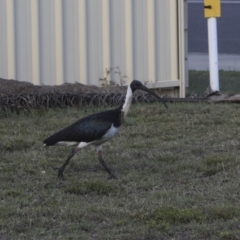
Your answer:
<point x="231" y="2"/>
<point x="227" y="62"/>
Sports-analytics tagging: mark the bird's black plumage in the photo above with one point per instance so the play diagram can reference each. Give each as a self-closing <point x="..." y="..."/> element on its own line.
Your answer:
<point x="89" y="128"/>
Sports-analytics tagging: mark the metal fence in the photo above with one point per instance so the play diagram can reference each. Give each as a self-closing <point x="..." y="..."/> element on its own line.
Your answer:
<point x="67" y="41"/>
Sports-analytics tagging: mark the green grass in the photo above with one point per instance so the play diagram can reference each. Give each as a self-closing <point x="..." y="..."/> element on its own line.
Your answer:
<point x="229" y="82"/>
<point x="178" y="176"/>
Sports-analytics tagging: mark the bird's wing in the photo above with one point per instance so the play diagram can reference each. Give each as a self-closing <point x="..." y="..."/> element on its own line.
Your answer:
<point x="87" y="129"/>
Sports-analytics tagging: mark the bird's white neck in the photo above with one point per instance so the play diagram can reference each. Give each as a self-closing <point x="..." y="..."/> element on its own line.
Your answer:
<point x="128" y="101"/>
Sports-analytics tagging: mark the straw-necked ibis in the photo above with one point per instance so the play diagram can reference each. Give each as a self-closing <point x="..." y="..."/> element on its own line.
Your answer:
<point x="96" y="129"/>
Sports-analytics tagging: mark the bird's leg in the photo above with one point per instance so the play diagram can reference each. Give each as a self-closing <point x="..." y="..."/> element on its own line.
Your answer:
<point x="61" y="169"/>
<point x="104" y="164"/>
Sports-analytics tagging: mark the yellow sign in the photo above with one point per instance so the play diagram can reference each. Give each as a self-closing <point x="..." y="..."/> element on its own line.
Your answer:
<point x="212" y="8"/>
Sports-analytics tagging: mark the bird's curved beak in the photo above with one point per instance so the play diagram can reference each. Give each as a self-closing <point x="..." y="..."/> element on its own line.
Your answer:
<point x="143" y="88"/>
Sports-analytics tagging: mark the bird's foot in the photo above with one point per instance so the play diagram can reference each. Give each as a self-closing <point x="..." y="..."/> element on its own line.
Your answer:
<point x="60" y="173"/>
<point x="112" y="176"/>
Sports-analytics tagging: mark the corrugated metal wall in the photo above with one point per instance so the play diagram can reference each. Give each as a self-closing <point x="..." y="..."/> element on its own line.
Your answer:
<point x="57" y="41"/>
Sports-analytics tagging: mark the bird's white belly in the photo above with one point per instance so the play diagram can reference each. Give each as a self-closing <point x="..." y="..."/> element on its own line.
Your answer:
<point x="107" y="136"/>
<point x="111" y="132"/>
<point x="65" y="143"/>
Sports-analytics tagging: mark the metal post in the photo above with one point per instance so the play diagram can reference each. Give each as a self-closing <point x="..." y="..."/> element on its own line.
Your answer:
<point x="213" y="53"/>
<point x="212" y="10"/>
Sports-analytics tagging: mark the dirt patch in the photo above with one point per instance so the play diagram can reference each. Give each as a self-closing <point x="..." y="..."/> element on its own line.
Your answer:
<point x="13" y="87"/>
<point x="16" y="95"/>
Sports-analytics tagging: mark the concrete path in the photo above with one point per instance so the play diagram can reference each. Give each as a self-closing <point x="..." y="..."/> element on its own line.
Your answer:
<point x="199" y="61"/>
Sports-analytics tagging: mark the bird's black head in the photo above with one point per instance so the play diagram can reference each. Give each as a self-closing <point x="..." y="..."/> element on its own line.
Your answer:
<point x="135" y="84"/>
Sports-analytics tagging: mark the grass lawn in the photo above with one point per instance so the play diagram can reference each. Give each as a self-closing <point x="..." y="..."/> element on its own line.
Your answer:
<point x="229" y="82"/>
<point x="178" y="176"/>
